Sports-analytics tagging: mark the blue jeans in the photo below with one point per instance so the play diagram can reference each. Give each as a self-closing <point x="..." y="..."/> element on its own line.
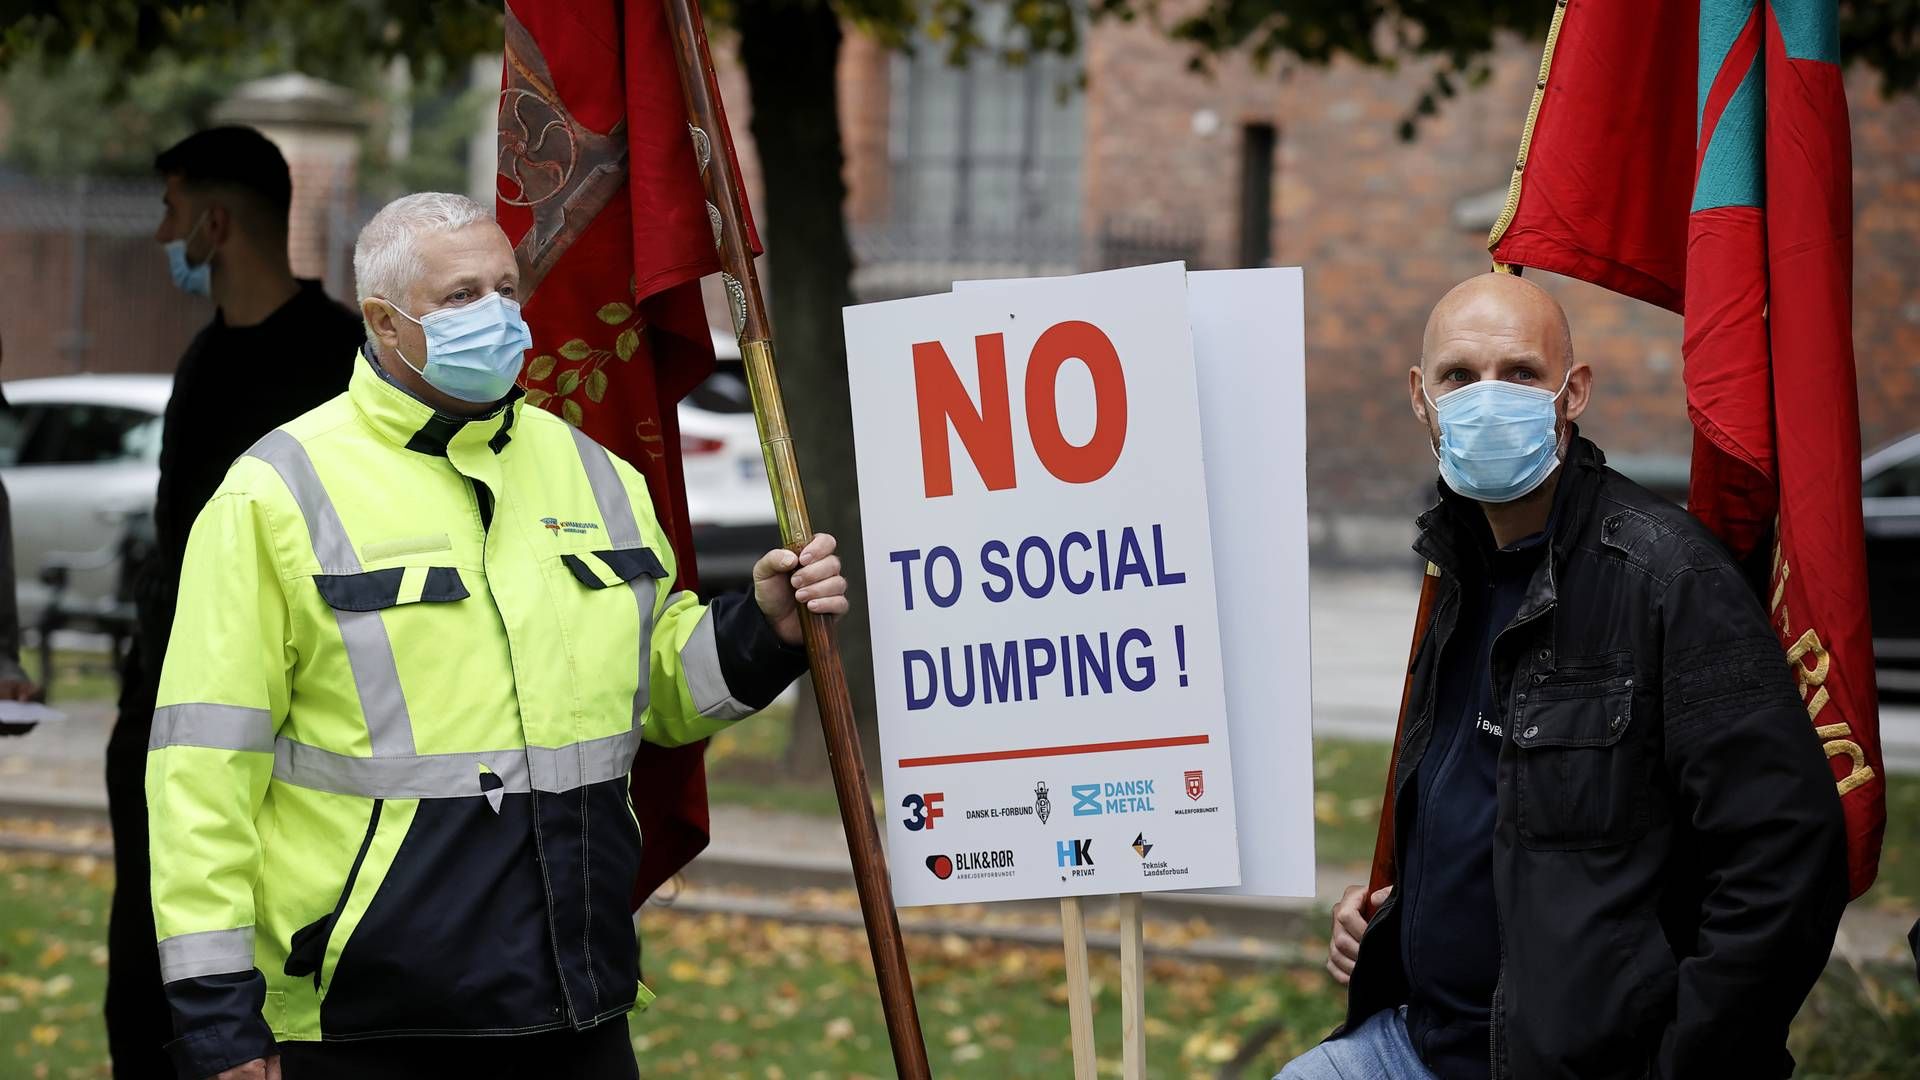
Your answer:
<point x="1376" y="1050"/>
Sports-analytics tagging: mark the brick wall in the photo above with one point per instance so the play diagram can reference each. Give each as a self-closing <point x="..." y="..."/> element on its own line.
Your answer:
<point x="1373" y="221"/>
<point x="133" y="317"/>
<point x="1886" y="260"/>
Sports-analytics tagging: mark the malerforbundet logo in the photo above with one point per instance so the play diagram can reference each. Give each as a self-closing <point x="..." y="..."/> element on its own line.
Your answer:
<point x="1196" y="790"/>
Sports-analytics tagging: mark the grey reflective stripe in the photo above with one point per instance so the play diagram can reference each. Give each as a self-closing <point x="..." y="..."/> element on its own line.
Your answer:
<point x="706" y="683"/>
<point x="217" y="727"/>
<point x="590" y="762"/>
<point x="616" y="510"/>
<point x="369" y="650"/>
<point x="643" y="594"/>
<point x="370" y="654"/>
<point x="455" y="776"/>
<point x="290" y="460"/>
<point x="623" y="530"/>
<point x="208" y="952"/>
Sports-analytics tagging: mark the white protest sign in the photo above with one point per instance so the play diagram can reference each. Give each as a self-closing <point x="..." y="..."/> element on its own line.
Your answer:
<point x="1249" y="346"/>
<point x="1040" y="580"/>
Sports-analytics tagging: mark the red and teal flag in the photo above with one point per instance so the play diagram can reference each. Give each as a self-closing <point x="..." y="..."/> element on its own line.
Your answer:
<point x="600" y="190"/>
<point x="1695" y="154"/>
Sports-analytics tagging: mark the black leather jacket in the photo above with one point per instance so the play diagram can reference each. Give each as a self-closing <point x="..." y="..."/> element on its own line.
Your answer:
<point x="1668" y="856"/>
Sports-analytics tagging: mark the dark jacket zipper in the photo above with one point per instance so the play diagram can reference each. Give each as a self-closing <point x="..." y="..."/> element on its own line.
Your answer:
<point x="1499" y="922"/>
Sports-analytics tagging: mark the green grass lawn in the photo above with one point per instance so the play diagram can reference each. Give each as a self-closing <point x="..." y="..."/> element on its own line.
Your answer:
<point x="765" y="1001"/>
<point x="77" y="676"/>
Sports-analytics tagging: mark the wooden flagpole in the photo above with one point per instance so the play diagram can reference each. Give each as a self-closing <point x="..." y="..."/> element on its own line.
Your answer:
<point x="714" y="145"/>
<point x="1382" y="875"/>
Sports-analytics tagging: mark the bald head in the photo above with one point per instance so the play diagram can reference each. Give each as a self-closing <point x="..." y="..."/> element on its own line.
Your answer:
<point x="1497" y="326"/>
<point x="1504" y="306"/>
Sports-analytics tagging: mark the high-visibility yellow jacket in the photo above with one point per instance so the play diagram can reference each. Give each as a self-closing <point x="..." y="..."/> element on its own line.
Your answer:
<point x="413" y="659"/>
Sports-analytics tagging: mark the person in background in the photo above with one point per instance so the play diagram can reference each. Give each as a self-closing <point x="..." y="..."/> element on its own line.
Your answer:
<point x="14" y="684"/>
<point x="1618" y="847"/>
<point x="275" y="348"/>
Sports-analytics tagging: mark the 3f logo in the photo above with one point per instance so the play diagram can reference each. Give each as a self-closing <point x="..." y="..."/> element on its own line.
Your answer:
<point x="925" y="810"/>
<point x="1073" y="852"/>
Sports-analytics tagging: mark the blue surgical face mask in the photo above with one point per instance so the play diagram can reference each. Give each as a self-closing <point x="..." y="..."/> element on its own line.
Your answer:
<point x="474" y="351"/>
<point x="1497" y="439"/>
<point x="195" y="280"/>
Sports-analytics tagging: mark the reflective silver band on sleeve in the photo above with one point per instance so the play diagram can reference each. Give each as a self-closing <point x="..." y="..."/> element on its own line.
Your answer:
<point x="206" y="952"/>
<point x="216" y="727"/>
<point x="706" y="683"/>
<point x="644" y="591"/>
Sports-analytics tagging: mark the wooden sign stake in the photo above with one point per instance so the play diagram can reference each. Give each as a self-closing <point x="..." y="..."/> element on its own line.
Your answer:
<point x="1133" y="989"/>
<point x="1073" y="929"/>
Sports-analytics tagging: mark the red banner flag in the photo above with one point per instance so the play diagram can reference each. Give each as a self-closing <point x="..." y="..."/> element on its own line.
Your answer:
<point x="1697" y="156"/>
<point x="600" y="190"/>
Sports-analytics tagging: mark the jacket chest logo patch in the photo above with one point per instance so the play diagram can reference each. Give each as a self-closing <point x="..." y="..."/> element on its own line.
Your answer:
<point x="578" y="528"/>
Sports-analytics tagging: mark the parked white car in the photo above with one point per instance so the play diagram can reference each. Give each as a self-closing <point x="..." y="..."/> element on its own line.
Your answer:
<point x="80" y="456"/>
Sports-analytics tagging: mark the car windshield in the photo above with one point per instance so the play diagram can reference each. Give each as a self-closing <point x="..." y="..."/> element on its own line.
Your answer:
<point x="77" y="433"/>
<point x="1899" y="480"/>
<point x="13" y="433"/>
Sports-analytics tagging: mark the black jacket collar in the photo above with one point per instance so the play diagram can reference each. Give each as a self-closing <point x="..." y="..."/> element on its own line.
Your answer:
<point x="1450" y="532"/>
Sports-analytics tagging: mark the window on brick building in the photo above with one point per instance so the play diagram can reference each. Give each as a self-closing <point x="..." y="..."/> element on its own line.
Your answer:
<point x="1257" y="142"/>
<point x="985" y="159"/>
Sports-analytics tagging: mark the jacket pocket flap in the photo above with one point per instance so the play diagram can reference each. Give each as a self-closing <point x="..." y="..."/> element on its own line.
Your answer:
<point x="1597" y="718"/>
<point x="396" y="585"/>
<point x="605" y="569"/>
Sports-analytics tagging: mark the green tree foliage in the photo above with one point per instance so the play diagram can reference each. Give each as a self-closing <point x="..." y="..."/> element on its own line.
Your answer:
<point x="789" y="49"/>
<point x="99" y="88"/>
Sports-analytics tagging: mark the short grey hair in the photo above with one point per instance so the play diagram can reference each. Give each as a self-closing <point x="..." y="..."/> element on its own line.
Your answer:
<point x="386" y="260"/>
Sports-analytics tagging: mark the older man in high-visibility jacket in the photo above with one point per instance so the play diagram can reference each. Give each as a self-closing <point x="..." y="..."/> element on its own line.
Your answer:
<point x="422" y="631"/>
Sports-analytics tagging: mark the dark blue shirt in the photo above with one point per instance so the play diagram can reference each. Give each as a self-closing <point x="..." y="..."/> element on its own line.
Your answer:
<point x="1449" y="940"/>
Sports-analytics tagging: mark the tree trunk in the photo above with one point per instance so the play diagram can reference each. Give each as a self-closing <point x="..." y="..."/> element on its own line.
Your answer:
<point x="791" y="49"/>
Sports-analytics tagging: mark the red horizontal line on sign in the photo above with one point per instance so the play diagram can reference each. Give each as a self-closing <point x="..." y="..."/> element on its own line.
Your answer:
<point x="1054" y="751"/>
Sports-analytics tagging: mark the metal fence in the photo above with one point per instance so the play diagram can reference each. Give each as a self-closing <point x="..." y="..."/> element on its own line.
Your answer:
<point x="87" y="287"/>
